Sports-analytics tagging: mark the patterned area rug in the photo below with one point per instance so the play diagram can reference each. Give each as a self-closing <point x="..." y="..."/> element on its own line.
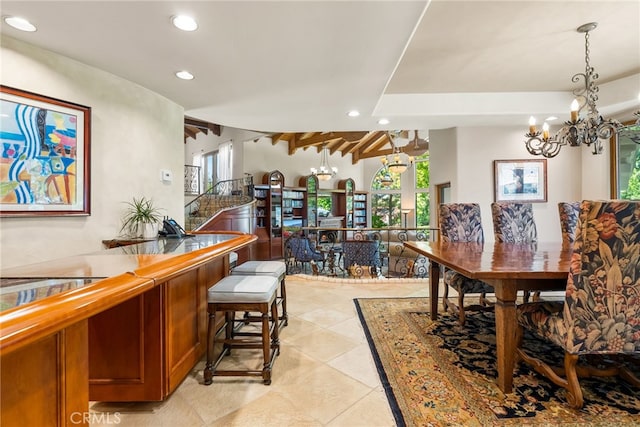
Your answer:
<point x="443" y="374"/>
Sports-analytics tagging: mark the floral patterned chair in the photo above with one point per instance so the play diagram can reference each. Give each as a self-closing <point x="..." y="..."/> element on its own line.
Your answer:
<point x="513" y="222"/>
<point x="461" y="222"/>
<point x="569" y="212"/>
<point x="600" y="314"/>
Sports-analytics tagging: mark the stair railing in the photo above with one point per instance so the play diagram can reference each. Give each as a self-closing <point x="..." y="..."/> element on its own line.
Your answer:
<point x="222" y="195"/>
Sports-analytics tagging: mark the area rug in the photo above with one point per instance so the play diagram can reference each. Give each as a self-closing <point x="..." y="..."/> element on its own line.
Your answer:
<point x="443" y="374"/>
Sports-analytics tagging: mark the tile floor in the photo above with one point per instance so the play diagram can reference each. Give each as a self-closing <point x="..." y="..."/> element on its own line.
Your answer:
<point x="324" y="376"/>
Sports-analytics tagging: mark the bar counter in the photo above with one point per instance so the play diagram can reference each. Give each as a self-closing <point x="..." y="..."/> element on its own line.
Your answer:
<point x="123" y="324"/>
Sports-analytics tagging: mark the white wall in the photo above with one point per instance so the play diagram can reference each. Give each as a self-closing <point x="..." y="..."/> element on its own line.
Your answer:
<point x="134" y="134"/>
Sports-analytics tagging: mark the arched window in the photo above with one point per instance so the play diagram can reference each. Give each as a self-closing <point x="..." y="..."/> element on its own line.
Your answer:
<point x="386" y="195"/>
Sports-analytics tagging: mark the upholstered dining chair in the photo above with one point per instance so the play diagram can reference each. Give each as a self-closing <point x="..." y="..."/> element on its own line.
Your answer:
<point x="513" y="222"/>
<point x="462" y="222"/>
<point x="569" y="212"/>
<point x="361" y="253"/>
<point x="600" y="314"/>
<point x="300" y="251"/>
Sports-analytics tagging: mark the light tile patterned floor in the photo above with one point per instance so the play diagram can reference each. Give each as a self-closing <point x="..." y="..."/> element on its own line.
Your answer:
<point x="324" y="376"/>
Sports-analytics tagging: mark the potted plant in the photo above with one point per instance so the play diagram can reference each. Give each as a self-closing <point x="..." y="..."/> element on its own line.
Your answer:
<point x="141" y="218"/>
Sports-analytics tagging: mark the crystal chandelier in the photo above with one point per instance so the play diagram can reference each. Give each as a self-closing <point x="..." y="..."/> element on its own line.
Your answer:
<point x="577" y="131"/>
<point x="324" y="172"/>
<point x="397" y="161"/>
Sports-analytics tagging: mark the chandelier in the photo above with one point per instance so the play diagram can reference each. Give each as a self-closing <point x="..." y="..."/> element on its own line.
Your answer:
<point x="397" y="161"/>
<point x="577" y="131"/>
<point x="386" y="180"/>
<point x="324" y="172"/>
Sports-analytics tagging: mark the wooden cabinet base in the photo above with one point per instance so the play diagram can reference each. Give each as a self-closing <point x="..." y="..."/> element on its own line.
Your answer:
<point x="142" y="349"/>
<point x="45" y="383"/>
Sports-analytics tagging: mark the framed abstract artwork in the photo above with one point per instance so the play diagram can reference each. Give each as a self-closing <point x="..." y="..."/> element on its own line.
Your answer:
<point x="520" y="180"/>
<point x="45" y="160"/>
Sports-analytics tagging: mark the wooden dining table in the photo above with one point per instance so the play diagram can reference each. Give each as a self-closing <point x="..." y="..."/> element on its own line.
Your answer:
<point x="508" y="268"/>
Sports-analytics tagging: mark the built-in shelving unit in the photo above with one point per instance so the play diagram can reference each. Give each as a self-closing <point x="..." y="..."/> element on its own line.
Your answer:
<point x="360" y="210"/>
<point x="281" y="211"/>
<point x="293" y="204"/>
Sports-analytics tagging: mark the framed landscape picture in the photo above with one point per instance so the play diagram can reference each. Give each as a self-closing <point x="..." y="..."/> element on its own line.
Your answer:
<point x="44" y="166"/>
<point x="520" y="180"/>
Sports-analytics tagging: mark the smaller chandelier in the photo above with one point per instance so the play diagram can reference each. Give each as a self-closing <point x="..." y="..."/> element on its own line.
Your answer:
<point x="590" y="130"/>
<point x="386" y="180"/>
<point x="324" y="172"/>
<point x="397" y="161"/>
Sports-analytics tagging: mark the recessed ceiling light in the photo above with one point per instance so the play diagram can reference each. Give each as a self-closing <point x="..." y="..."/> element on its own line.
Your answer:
<point x="19" y="23"/>
<point x="353" y="113"/>
<point x="184" y="22"/>
<point x="551" y="118"/>
<point x="184" y="75"/>
<point x="383" y="121"/>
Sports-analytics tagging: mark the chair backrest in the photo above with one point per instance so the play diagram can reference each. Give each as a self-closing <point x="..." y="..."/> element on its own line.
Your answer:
<point x="569" y="212"/>
<point x="301" y="249"/>
<point x="460" y="222"/>
<point x="602" y="301"/>
<point x="361" y="252"/>
<point x="513" y="222"/>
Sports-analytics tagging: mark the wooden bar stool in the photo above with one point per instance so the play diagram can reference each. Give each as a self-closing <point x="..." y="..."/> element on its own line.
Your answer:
<point x="243" y="293"/>
<point x="277" y="269"/>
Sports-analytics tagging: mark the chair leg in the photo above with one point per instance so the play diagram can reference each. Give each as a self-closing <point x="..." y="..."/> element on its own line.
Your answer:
<point x="461" y="307"/>
<point x="445" y="298"/>
<point x="283" y="295"/>
<point x="266" y="349"/>
<point x="574" y="392"/>
<point x="208" y="369"/>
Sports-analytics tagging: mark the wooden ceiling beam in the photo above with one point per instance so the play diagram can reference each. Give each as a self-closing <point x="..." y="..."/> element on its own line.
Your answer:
<point x="201" y="124"/>
<point x="189" y="133"/>
<point x="279" y="137"/>
<point x="344" y="147"/>
<point x="292" y="144"/>
<point x="318" y="138"/>
<point x="351" y="136"/>
<point x="377" y="141"/>
<point x="331" y="144"/>
<point x="362" y="143"/>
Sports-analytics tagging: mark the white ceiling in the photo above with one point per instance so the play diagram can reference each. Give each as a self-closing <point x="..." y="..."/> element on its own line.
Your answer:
<point x="297" y="66"/>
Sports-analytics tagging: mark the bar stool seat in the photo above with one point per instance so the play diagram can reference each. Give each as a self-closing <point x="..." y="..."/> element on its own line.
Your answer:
<point x="243" y="293"/>
<point x="276" y="269"/>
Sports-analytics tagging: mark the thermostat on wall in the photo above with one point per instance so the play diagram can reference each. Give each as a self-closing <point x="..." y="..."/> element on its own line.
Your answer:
<point x="166" y="175"/>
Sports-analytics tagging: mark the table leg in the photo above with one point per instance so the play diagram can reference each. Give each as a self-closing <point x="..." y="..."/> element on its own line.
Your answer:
<point x="434" y="283"/>
<point x="506" y="326"/>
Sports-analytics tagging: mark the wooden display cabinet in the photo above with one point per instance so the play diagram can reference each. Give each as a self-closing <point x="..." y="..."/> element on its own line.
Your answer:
<point x="360" y="209"/>
<point x="345" y="201"/>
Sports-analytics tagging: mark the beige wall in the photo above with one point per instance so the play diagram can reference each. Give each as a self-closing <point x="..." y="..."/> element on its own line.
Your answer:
<point x="134" y="134"/>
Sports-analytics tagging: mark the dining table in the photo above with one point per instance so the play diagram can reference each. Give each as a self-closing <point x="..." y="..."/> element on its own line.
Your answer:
<point x="508" y="268"/>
